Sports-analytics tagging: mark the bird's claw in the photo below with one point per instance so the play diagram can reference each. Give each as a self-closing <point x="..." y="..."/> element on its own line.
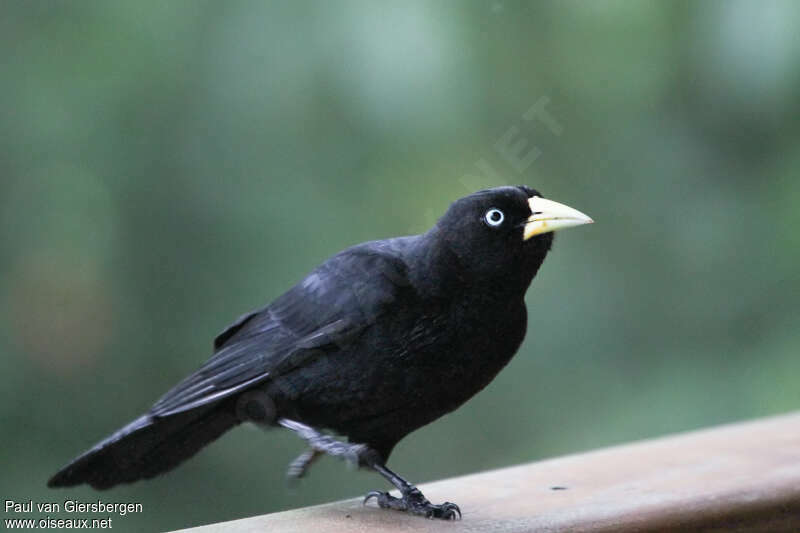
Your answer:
<point x="373" y="494"/>
<point x="415" y="503"/>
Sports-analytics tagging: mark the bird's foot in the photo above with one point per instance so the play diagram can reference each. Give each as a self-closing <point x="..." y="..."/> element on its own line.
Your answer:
<point x="414" y="502"/>
<point x="320" y="443"/>
<point x="300" y="466"/>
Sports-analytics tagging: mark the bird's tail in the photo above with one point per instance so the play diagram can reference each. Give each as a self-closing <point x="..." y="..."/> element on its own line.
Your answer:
<point x="146" y="447"/>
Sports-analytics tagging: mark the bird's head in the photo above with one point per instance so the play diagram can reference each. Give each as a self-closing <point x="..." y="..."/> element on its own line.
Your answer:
<point x="504" y="233"/>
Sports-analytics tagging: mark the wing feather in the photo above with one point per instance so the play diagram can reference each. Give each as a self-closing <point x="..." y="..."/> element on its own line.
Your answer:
<point x="326" y="310"/>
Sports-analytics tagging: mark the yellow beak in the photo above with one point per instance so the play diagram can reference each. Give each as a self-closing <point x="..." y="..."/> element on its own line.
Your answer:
<point x="551" y="216"/>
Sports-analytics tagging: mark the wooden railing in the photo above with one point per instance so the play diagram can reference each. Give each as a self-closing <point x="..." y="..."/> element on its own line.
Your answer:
<point x="742" y="477"/>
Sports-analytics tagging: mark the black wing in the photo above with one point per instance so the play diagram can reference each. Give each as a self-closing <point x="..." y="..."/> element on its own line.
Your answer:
<point x="328" y="309"/>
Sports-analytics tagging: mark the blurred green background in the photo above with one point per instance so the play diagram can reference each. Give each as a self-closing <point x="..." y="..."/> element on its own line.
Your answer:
<point x="167" y="166"/>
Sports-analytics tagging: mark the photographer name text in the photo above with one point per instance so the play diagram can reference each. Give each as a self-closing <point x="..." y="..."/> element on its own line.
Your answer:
<point x="72" y="506"/>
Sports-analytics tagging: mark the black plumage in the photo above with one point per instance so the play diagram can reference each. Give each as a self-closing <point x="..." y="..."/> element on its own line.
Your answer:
<point x="378" y="341"/>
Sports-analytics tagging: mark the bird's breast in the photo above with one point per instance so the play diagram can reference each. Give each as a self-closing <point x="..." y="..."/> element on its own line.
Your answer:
<point x="408" y="368"/>
<point x="454" y="353"/>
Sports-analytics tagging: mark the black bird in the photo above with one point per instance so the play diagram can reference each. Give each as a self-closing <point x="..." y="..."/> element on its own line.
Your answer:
<point x="379" y="340"/>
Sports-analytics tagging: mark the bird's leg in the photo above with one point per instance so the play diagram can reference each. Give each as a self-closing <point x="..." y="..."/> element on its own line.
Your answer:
<point x="411" y="498"/>
<point x="321" y="443"/>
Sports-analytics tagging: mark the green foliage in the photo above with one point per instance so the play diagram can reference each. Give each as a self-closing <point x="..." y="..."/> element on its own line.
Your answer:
<point x="166" y="166"/>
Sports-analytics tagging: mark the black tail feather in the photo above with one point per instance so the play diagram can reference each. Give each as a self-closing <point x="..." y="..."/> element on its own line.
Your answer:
<point x="146" y="447"/>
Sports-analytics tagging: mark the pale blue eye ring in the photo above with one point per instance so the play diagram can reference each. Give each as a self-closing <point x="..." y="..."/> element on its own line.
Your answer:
<point x="494" y="217"/>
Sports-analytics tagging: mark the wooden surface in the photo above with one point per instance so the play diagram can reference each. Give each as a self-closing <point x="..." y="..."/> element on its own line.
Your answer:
<point x="742" y="477"/>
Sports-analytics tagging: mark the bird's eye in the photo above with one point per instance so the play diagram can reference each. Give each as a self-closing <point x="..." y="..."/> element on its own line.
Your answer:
<point x="494" y="217"/>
